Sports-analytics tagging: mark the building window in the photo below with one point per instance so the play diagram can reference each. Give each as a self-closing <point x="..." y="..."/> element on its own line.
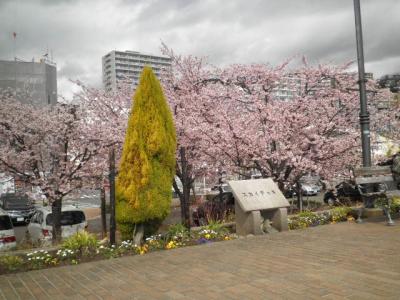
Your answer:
<point x="48" y="99"/>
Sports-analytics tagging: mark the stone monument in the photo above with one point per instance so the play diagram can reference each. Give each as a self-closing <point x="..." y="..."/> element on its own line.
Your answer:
<point x="259" y="204"/>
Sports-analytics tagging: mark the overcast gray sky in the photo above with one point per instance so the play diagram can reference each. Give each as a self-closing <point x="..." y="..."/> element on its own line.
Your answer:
<point x="80" y="32"/>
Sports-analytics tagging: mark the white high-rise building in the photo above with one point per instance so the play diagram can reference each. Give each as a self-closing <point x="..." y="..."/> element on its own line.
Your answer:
<point x="118" y="65"/>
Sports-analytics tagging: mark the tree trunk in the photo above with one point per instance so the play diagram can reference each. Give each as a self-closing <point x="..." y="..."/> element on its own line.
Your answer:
<point x="138" y="234"/>
<point x="103" y="213"/>
<point x="184" y="195"/>
<point x="56" y="213"/>
<point x="185" y="206"/>
<point x="186" y="183"/>
<point x="299" y="197"/>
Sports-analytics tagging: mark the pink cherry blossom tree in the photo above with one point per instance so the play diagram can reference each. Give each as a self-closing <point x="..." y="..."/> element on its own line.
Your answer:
<point x="315" y="131"/>
<point x="186" y="89"/>
<point x="47" y="147"/>
<point x="233" y="119"/>
<point x="106" y="114"/>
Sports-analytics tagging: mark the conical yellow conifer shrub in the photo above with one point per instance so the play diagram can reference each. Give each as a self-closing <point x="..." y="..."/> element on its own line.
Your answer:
<point x="147" y="166"/>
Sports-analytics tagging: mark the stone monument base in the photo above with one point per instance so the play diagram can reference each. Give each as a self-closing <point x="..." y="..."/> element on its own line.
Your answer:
<point x="252" y="222"/>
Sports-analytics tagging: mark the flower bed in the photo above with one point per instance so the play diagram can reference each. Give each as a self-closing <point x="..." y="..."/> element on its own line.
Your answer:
<point x="84" y="246"/>
<point x="308" y="219"/>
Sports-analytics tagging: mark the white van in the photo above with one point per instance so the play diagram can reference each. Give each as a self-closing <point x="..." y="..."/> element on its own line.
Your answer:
<point x="7" y="235"/>
<point x="41" y="224"/>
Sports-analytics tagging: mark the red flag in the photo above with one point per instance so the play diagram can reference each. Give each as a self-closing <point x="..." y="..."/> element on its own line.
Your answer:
<point x="14" y="35"/>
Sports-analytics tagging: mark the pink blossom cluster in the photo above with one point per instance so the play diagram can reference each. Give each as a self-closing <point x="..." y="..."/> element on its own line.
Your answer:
<point x="228" y="119"/>
<point x="231" y="118"/>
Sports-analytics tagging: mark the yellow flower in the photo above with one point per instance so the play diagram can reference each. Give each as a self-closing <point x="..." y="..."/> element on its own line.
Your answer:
<point x="170" y="245"/>
<point x="207" y="236"/>
<point x="143" y="249"/>
<point x="227" y="238"/>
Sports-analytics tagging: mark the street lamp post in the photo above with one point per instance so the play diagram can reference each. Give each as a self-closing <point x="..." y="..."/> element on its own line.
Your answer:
<point x="112" y="173"/>
<point x="364" y="115"/>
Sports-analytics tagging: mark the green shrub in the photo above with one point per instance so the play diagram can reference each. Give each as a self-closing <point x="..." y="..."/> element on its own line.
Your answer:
<point x="66" y="254"/>
<point x="147" y="165"/>
<point x="156" y="242"/>
<point x="40" y="258"/>
<point x="339" y="214"/>
<point x="11" y="262"/>
<point x="385" y="203"/>
<point x="126" y="230"/>
<point x="309" y="218"/>
<point x="178" y="232"/>
<point x="126" y="247"/>
<point x="82" y="241"/>
<point x="109" y="252"/>
<point x="395" y="205"/>
<point x="214" y="230"/>
<point x="297" y="222"/>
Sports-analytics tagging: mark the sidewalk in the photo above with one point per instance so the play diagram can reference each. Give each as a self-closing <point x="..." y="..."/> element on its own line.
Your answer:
<point x="338" y="261"/>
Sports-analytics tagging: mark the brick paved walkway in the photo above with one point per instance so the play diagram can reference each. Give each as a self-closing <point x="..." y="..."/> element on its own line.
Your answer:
<point x="339" y="261"/>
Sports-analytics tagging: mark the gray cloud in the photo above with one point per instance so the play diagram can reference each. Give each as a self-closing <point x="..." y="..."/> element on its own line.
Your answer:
<point x="80" y="32"/>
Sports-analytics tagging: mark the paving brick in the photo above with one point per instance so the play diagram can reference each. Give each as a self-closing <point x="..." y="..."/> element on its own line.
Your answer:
<point x="338" y="261"/>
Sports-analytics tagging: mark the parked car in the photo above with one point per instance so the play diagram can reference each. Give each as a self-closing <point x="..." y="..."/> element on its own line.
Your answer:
<point x="19" y="207"/>
<point x="7" y="235"/>
<point x="215" y="209"/>
<point x="310" y="189"/>
<point x="224" y="186"/>
<point x="41" y="224"/>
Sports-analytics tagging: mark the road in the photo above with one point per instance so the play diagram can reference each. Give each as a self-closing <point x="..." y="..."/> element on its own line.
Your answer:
<point x="86" y="198"/>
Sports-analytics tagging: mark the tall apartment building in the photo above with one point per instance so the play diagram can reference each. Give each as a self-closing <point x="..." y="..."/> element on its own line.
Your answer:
<point x="34" y="82"/>
<point x="118" y="65"/>
<point x="291" y="86"/>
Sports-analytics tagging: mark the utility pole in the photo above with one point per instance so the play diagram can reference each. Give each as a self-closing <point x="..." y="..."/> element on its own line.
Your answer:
<point x="364" y="115"/>
<point x="111" y="158"/>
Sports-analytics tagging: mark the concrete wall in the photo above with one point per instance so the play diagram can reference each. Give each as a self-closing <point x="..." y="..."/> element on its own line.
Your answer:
<point x="32" y="82"/>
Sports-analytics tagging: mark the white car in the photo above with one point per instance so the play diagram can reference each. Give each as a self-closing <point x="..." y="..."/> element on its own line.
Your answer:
<point x="309" y="189"/>
<point x="41" y="224"/>
<point x="7" y="235"/>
